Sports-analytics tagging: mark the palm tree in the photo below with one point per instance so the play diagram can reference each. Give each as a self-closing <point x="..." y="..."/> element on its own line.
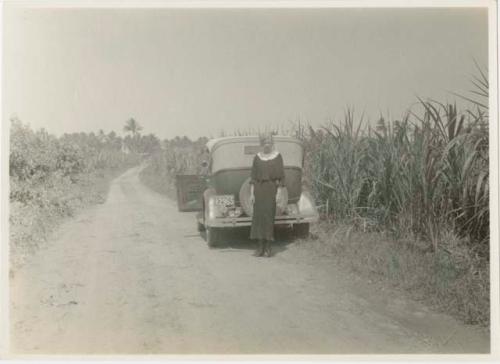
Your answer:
<point x="101" y="136"/>
<point x="132" y="126"/>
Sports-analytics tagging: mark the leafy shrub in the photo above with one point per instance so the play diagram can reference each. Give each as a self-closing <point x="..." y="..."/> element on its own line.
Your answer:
<point x="52" y="177"/>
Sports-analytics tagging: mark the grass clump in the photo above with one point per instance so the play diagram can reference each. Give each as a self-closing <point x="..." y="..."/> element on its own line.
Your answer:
<point x="422" y="174"/>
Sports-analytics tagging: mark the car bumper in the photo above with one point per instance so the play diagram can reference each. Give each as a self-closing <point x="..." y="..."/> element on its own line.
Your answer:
<point x="247" y="221"/>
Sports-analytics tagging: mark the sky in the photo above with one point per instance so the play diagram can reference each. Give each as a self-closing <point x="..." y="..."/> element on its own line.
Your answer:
<point x="198" y="72"/>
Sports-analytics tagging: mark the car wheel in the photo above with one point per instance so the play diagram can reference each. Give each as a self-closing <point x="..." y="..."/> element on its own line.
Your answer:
<point x="211" y="234"/>
<point x="201" y="227"/>
<point x="301" y="230"/>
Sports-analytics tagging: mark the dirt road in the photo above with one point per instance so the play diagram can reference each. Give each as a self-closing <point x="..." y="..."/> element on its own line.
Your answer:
<point x="134" y="276"/>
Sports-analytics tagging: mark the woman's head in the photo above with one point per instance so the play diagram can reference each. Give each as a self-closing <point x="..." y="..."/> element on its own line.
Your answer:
<point x="266" y="141"/>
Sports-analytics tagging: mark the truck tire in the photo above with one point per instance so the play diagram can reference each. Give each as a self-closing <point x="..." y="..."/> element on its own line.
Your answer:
<point x="301" y="230"/>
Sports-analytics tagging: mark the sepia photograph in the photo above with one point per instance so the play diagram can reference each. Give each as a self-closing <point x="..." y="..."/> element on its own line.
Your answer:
<point x="228" y="179"/>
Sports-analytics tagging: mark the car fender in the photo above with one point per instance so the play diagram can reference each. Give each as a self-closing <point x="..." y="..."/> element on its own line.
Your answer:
<point x="209" y="192"/>
<point x="306" y="204"/>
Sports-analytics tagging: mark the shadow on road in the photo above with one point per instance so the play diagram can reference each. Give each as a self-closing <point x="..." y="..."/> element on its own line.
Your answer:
<point x="238" y="238"/>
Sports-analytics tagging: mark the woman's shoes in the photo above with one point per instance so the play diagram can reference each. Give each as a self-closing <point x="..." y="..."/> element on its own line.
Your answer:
<point x="260" y="249"/>
<point x="268" y="251"/>
<point x="264" y="249"/>
<point x="258" y="253"/>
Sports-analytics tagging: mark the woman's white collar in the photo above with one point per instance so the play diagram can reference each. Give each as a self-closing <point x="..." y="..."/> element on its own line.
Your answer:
<point x="266" y="157"/>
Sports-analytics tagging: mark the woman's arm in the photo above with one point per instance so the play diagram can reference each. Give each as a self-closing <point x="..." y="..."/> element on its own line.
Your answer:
<point x="253" y="177"/>
<point x="280" y="172"/>
<point x="252" y="196"/>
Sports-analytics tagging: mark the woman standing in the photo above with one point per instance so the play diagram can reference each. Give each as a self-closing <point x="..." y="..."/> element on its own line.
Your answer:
<point x="267" y="178"/>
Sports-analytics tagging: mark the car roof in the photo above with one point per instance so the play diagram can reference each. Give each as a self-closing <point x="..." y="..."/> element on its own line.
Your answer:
<point x="212" y="143"/>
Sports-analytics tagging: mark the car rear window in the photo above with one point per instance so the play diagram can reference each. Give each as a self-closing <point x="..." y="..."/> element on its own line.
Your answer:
<point x="251" y="149"/>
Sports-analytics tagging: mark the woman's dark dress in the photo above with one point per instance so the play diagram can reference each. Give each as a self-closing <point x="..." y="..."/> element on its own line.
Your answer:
<point x="266" y="176"/>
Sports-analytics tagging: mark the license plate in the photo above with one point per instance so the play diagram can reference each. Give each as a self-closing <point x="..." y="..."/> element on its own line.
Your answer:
<point x="224" y="200"/>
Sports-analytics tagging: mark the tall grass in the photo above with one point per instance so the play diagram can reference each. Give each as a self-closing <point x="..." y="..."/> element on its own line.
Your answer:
<point x="174" y="157"/>
<point x="412" y="197"/>
<point x="423" y="174"/>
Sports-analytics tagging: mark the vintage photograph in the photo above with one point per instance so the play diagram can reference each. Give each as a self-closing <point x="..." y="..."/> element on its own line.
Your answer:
<point x="246" y="180"/>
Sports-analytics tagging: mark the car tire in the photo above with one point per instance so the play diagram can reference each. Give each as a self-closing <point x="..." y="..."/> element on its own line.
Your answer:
<point x="201" y="227"/>
<point x="301" y="230"/>
<point x="212" y="236"/>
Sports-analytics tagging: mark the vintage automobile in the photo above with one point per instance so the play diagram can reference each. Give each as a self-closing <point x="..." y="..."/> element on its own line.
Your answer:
<point x="222" y="194"/>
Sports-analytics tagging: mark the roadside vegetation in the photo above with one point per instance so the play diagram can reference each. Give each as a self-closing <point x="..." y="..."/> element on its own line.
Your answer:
<point x="51" y="178"/>
<point x="407" y="201"/>
<point x="404" y="201"/>
<point x="175" y="156"/>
